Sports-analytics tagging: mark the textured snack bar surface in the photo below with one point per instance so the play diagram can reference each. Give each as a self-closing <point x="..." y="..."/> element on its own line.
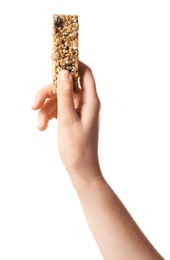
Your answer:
<point x="65" y="47"/>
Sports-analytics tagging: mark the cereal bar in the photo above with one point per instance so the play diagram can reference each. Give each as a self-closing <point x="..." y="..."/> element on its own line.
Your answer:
<point x="65" y="47"/>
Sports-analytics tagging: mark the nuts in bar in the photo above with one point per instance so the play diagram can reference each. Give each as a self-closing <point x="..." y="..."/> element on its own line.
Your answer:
<point x="65" y="47"/>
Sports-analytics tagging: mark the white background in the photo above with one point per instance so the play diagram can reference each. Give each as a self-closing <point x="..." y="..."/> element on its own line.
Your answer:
<point x="127" y="45"/>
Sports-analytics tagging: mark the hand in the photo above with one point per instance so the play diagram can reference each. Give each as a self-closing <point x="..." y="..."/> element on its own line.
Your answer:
<point x="114" y="230"/>
<point x="78" y="121"/>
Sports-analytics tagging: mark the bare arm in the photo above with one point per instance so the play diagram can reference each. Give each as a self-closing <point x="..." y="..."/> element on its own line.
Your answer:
<point x="113" y="228"/>
<point x="115" y="231"/>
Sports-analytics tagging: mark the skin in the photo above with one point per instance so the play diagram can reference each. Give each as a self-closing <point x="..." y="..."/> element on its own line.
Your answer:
<point x="115" y="231"/>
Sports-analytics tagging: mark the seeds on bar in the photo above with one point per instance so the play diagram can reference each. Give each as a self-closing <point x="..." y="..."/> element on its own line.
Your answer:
<point x="65" y="47"/>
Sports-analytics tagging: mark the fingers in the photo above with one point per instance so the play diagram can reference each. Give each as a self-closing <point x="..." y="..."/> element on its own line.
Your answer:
<point x="69" y="104"/>
<point x="87" y="82"/>
<point x="42" y="95"/>
<point x="46" y="113"/>
<point x="66" y="107"/>
<point x="89" y="98"/>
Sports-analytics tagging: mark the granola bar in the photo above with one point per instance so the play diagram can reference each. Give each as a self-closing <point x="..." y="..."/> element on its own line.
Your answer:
<point x="65" y="47"/>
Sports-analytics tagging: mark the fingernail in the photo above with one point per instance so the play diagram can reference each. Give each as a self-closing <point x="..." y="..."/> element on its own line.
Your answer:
<point x="64" y="75"/>
<point x="40" y="123"/>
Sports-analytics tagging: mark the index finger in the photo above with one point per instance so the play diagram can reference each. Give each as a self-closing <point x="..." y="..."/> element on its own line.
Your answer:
<point x="88" y="85"/>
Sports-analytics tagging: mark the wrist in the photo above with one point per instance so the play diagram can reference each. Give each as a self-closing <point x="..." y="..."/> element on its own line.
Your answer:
<point x="83" y="177"/>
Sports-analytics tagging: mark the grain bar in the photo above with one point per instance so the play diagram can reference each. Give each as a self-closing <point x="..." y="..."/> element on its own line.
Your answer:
<point x="65" y="47"/>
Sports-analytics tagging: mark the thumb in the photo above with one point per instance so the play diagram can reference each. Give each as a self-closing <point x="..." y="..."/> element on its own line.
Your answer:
<point x="66" y="109"/>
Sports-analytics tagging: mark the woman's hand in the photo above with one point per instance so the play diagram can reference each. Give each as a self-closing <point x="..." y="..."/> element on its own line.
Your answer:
<point x="78" y="121"/>
<point x="113" y="228"/>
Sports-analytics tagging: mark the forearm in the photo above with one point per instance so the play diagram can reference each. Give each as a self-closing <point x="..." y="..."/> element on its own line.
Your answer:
<point x="114" y="230"/>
